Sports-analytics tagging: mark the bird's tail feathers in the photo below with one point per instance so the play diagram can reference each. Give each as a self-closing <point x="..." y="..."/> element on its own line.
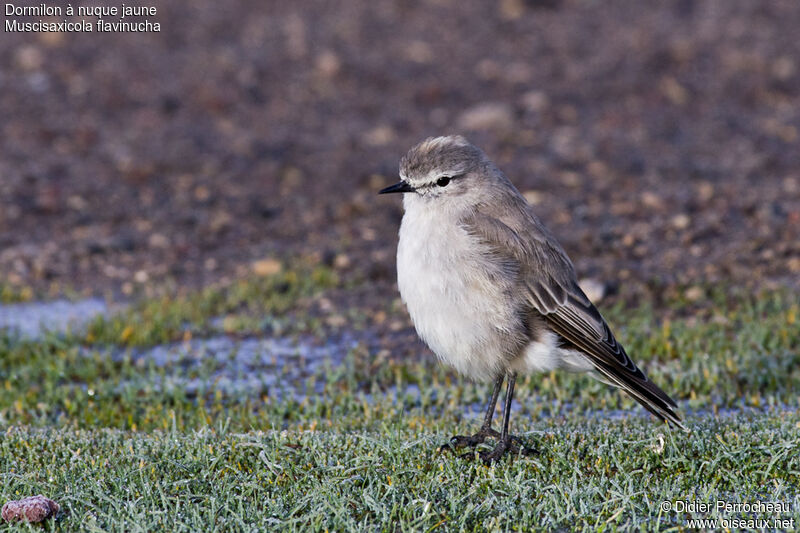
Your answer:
<point x="649" y="395"/>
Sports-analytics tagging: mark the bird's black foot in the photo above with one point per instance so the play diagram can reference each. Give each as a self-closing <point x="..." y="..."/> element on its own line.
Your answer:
<point x="510" y="444"/>
<point x="464" y="441"/>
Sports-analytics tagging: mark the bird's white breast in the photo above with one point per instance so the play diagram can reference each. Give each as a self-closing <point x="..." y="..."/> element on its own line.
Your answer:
<point x="446" y="283"/>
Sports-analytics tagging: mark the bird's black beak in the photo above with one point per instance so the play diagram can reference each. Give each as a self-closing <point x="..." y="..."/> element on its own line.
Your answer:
<point x="401" y="186"/>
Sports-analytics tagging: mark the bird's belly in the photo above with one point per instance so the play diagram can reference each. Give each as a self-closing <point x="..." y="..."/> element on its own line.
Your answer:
<point x="545" y="354"/>
<point x="460" y="313"/>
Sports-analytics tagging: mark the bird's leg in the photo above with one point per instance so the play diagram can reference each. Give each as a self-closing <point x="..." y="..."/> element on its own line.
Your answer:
<point x="507" y="442"/>
<point x="461" y="441"/>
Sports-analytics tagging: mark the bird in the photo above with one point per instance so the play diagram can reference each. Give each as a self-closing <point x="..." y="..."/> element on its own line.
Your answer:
<point x="491" y="291"/>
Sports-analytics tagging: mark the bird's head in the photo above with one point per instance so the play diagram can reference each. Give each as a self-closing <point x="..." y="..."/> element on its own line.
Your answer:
<point x="442" y="167"/>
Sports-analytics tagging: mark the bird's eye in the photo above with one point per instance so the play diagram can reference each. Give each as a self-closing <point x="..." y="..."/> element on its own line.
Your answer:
<point x="443" y="181"/>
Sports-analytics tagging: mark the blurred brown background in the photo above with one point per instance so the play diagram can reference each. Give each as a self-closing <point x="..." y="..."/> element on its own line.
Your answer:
<point x="658" y="140"/>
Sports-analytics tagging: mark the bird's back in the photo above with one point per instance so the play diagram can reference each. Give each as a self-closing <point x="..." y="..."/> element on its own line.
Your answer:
<point x="511" y="232"/>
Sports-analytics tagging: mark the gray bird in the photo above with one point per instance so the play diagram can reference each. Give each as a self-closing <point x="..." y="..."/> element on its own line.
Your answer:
<point x="492" y="292"/>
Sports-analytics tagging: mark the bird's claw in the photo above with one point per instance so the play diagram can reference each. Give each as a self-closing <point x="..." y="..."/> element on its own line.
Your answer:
<point x="463" y="441"/>
<point x="511" y="444"/>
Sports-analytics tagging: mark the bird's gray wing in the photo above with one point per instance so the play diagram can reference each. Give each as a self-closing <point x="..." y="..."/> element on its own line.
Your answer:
<point x="548" y="279"/>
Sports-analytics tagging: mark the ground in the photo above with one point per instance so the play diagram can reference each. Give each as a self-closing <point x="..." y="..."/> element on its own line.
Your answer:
<point x="306" y="429"/>
<point x="245" y="362"/>
<point x="657" y="142"/>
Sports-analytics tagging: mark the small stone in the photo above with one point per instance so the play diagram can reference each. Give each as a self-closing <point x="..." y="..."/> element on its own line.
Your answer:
<point x="680" y="221"/>
<point x="380" y="256"/>
<point x="563" y="141"/>
<point x="266" y="267"/>
<point x="419" y="52"/>
<point x="29" y="57"/>
<point x="52" y="38"/>
<point x="651" y="199"/>
<point x="325" y="305"/>
<point x="341" y="261"/>
<point x="487" y="116"/>
<point x="784" y="68"/>
<point x="595" y="289"/>
<point x="220" y="220"/>
<point x="157" y="240"/>
<point x="328" y="64"/>
<point x="76" y="203"/>
<point x="202" y="193"/>
<point x="31" y="509"/>
<point x="720" y="319"/>
<point x="597" y="169"/>
<point x="533" y="197"/>
<point x="674" y="91"/>
<point x="488" y="69"/>
<point x="535" y="101"/>
<point x="369" y="234"/>
<point x="511" y="9"/>
<point x="570" y="178"/>
<point x="379" y="136"/>
<point x="693" y="293"/>
<point x="705" y="191"/>
<point x="336" y="321"/>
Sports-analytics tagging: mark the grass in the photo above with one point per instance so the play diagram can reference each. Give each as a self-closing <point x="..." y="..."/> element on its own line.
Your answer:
<point x="245" y="306"/>
<point x="588" y="476"/>
<point x="11" y="294"/>
<point x="356" y="449"/>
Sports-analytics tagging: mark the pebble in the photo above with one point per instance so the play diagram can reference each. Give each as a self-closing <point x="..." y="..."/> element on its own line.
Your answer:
<point x="266" y="267"/>
<point x="705" y="191"/>
<point x="511" y="9"/>
<point x="535" y="101"/>
<point x="336" y="321"/>
<point x="32" y="509"/>
<point x="533" y="197"/>
<point x="693" y="293"/>
<point x="419" y="52"/>
<point x="674" y="91"/>
<point x="595" y="289"/>
<point x="157" y="240"/>
<point x="487" y="116"/>
<point x="341" y="261"/>
<point x="650" y="199"/>
<point x="328" y="64"/>
<point x="681" y="221"/>
<point x="379" y="136"/>
<point x="29" y="57"/>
